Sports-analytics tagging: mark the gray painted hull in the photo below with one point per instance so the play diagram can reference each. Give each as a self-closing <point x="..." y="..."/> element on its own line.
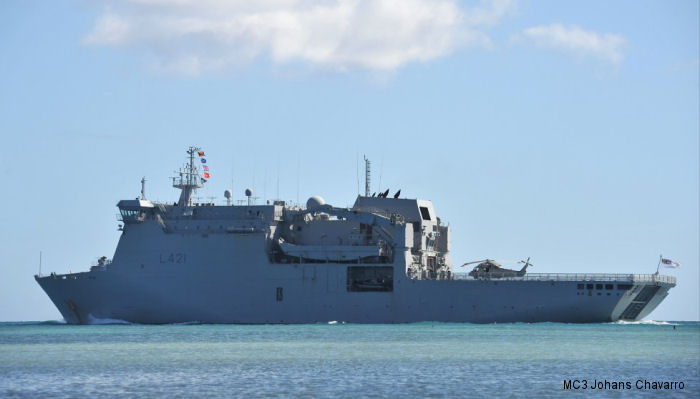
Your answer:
<point x="239" y="284"/>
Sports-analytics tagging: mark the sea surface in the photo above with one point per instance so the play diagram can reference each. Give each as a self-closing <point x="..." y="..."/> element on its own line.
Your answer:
<point x="336" y="360"/>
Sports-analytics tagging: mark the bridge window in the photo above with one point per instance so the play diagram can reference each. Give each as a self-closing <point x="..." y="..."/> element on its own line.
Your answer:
<point x="370" y="279"/>
<point x="608" y="286"/>
<point x="579" y="286"/>
<point x="589" y="286"/>
<point x="599" y="286"/>
<point x="624" y="287"/>
<point x="128" y="213"/>
<point x="424" y="213"/>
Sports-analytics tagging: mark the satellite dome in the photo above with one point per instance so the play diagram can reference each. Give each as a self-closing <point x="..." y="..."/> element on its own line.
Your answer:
<point x="314" y="202"/>
<point x="248" y="192"/>
<point x="227" y="194"/>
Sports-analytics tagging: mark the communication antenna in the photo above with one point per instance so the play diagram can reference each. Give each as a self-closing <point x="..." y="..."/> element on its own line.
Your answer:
<point x="381" y="171"/>
<point x="39" y="263"/>
<point x="368" y="175"/>
<point x="143" y="188"/>
<point x="298" y="169"/>
<point x="357" y="171"/>
<point x="265" y="184"/>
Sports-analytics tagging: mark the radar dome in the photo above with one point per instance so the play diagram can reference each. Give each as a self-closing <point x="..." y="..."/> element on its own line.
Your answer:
<point x="227" y="194"/>
<point x="248" y="192"/>
<point x="314" y="202"/>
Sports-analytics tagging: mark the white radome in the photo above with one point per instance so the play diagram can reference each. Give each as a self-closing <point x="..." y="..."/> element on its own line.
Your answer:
<point x="315" y="201"/>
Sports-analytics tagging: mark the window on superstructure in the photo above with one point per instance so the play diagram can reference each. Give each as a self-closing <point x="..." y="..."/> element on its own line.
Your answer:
<point x="126" y="213"/>
<point x="424" y="213"/>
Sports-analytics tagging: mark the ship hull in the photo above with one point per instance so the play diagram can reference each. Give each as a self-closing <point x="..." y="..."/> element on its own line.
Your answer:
<point x="318" y="293"/>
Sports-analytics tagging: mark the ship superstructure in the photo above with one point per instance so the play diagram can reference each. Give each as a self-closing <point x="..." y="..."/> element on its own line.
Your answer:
<point x="383" y="260"/>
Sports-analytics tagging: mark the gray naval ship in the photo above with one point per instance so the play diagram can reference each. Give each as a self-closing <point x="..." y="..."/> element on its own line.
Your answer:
<point x="384" y="260"/>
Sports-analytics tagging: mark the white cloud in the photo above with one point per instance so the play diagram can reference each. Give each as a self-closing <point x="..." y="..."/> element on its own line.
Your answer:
<point x="192" y="36"/>
<point x="109" y="29"/>
<point x="574" y="40"/>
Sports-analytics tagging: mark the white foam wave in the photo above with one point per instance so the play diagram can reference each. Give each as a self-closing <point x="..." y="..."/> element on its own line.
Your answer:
<point x="647" y="322"/>
<point x="102" y="321"/>
<point x="54" y="322"/>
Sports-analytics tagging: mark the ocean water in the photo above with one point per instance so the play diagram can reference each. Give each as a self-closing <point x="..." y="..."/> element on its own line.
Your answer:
<point x="434" y="360"/>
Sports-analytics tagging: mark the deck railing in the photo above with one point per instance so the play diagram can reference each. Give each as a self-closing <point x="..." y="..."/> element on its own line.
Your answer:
<point x="633" y="278"/>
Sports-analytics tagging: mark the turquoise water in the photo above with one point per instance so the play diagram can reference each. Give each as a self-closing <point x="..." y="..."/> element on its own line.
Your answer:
<point x="52" y="360"/>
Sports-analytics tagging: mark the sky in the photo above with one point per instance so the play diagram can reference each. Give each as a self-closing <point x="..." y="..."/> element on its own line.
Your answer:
<point x="567" y="132"/>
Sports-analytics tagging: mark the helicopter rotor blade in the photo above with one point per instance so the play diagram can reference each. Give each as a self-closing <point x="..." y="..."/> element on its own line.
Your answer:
<point x="490" y="260"/>
<point x="527" y="262"/>
<point x="475" y="261"/>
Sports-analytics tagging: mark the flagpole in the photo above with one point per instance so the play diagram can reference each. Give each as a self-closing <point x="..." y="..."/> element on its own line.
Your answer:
<point x="659" y="264"/>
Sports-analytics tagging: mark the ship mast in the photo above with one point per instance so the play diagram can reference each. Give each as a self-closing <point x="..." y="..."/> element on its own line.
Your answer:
<point x="368" y="175"/>
<point x="188" y="179"/>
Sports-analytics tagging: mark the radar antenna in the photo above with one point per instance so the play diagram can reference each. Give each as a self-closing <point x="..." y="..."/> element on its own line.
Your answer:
<point x="188" y="179"/>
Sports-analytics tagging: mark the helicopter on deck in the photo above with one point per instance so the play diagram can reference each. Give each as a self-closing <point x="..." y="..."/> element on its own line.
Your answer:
<point x="489" y="268"/>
